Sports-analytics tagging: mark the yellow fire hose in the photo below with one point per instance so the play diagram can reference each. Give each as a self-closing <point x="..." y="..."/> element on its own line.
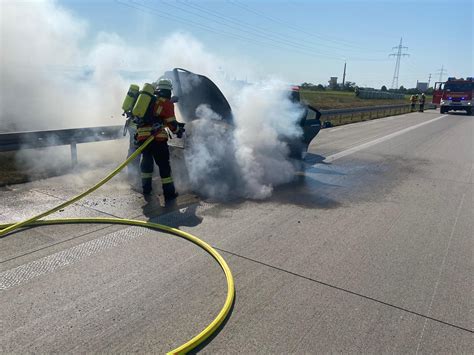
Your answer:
<point x="35" y="221"/>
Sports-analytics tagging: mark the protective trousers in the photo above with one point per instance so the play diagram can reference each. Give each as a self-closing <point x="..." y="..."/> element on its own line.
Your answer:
<point x="159" y="152"/>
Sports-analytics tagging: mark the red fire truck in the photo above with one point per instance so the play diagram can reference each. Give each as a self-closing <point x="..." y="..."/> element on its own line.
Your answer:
<point x="454" y="95"/>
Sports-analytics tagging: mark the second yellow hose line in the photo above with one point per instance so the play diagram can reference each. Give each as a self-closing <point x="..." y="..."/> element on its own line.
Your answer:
<point x="212" y="327"/>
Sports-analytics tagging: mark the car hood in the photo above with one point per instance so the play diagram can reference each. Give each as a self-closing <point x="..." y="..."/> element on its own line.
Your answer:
<point x="194" y="90"/>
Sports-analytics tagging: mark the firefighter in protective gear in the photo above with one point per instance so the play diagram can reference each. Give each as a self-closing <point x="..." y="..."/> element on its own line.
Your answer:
<point x="159" y="115"/>
<point x="413" y="100"/>
<point x="422" y="102"/>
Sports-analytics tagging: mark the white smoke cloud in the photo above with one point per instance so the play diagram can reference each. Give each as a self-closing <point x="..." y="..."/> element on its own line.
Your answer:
<point x="50" y="79"/>
<point x="55" y="73"/>
<point x="34" y="54"/>
<point x="264" y="116"/>
<point x="250" y="159"/>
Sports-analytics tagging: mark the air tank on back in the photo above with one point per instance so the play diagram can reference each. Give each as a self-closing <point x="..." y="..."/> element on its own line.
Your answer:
<point x="143" y="100"/>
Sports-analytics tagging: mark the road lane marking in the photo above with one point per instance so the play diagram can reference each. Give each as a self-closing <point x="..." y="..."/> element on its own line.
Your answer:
<point x="441" y="269"/>
<point x="352" y="150"/>
<point x="51" y="263"/>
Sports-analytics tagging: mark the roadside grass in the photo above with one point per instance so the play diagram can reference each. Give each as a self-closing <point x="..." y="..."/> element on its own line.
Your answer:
<point x="9" y="172"/>
<point x="14" y="171"/>
<point x="326" y="100"/>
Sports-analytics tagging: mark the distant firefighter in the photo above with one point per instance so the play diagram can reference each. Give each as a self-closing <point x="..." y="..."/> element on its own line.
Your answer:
<point x="422" y="102"/>
<point x="413" y="100"/>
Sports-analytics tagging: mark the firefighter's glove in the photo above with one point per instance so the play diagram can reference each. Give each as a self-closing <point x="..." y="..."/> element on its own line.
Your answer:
<point x="136" y="142"/>
<point x="156" y="127"/>
<point x="174" y="99"/>
<point x="180" y="131"/>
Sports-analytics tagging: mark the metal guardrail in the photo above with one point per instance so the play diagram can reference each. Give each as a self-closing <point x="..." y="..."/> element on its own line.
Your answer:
<point x="71" y="136"/>
<point x="361" y="109"/>
<point x="376" y="94"/>
<point x="344" y="115"/>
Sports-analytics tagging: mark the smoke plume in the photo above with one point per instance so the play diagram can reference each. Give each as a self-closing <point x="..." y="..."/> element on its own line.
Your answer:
<point x="247" y="160"/>
<point x="56" y="74"/>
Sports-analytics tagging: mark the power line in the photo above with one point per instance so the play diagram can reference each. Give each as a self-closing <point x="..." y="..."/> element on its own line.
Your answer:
<point x="346" y="45"/>
<point x="238" y="26"/>
<point x="441" y="72"/>
<point x="399" y="54"/>
<point x="259" y="30"/>
<point x="147" y="9"/>
<point x="277" y="43"/>
<point x="325" y="38"/>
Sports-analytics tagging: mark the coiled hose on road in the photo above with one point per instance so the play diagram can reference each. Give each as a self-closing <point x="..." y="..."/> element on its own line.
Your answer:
<point x="35" y="221"/>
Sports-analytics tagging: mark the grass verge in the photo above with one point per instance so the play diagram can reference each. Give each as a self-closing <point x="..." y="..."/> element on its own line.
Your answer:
<point x="327" y="100"/>
<point x="13" y="171"/>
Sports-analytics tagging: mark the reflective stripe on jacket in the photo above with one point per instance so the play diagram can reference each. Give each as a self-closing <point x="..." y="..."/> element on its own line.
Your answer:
<point x="143" y="133"/>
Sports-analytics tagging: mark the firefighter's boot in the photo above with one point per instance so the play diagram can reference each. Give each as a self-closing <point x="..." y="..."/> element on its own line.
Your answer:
<point x="168" y="189"/>
<point x="146" y="185"/>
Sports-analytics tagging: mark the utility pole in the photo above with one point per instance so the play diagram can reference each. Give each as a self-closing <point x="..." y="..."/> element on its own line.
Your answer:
<point x="441" y="72"/>
<point x="429" y="81"/>
<point x="399" y="54"/>
<point x="344" y="75"/>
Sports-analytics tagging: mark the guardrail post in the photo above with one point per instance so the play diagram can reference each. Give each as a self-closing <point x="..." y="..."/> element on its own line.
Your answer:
<point x="73" y="154"/>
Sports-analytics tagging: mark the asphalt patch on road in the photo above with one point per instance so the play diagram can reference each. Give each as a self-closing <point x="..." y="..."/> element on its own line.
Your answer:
<point x="305" y="191"/>
<point x="369" y="177"/>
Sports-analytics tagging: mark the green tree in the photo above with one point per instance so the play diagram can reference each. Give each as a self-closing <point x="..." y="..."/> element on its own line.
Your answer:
<point x="383" y="88"/>
<point x="306" y="85"/>
<point x="349" y="86"/>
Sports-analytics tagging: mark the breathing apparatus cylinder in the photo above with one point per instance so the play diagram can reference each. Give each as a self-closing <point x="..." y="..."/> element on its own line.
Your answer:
<point x="143" y="100"/>
<point x="131" y="98"/>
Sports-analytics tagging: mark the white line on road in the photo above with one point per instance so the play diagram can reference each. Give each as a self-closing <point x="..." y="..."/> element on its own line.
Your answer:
<point x="66" y="257"/>
<point x="51" y="263"/>
<point x="352" y="150"/>
<point x="441" y="269"/>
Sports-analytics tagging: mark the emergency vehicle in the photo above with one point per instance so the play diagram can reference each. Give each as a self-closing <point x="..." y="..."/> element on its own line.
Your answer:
<point x="454" y="95"/>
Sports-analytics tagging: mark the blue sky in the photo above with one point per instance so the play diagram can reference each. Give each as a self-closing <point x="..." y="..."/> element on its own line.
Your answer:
<point x="303" y="40"/>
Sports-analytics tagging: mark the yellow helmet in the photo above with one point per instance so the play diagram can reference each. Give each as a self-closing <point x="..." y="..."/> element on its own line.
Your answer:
<point x="163" y="84"/>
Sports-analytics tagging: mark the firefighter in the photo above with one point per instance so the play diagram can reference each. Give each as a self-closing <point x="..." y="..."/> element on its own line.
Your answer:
<point x="422" y="102"/>
<point x="159" y="115"/>
<point x="413" y="100"/>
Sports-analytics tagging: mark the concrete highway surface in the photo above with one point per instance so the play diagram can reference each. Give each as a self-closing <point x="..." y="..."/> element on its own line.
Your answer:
<point x="369" y="250"/>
